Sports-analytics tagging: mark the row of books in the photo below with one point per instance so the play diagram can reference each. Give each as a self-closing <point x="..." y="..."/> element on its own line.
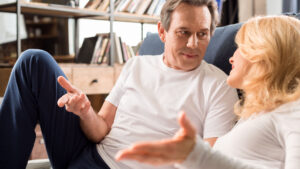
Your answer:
<point x="96" y="50"/>
<point x="140" y="7"/>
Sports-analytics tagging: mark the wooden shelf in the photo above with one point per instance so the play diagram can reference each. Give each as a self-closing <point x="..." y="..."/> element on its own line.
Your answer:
<point x="129" y="17"/>
<point x="42" y="37"/>
<point x="52" y="10"/>
<point x="64" y="58"/>
<point x="46" y="23"/>
<point x="74" y="12"/>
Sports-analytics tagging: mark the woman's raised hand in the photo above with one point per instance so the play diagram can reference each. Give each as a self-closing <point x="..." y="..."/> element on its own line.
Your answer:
<point x="174" y="150"/>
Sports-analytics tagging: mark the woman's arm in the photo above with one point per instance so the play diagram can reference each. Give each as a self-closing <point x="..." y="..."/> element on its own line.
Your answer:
<point x="183" y="150"/>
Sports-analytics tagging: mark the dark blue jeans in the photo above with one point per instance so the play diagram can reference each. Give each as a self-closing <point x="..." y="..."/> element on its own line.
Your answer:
<point x="30" y="98"/>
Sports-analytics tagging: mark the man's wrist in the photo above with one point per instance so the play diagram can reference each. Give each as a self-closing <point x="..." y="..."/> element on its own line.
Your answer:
<point x="90" y="114"/>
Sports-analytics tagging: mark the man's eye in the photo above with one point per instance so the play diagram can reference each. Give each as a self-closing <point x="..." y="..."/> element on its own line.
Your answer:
<point x="202" y="35"/>
<point x="182" y="33"/>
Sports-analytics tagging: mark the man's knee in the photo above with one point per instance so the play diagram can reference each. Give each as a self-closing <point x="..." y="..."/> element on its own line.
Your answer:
<point x="34" y="61"/>
<point x="35" y="55"/>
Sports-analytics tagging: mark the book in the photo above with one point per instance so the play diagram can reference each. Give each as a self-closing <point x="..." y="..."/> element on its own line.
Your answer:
<point x="132" y="54"/>
<point x="143" y="7"/>
<point x="88" y="4"/>
<point x="122" y="50"/>
<point x="134" y="6"/>
<point x="126" y="57"/>
<point x="129" y="55"/>
<point x="117" y="2"/>
<point x="103" y="49"/>
<point x="123" y="6"/>
<point x="104" y="5"/>
<point x="97" y="49"/>
<point x="86" y="51"/>
<point x="159" y="7"/>
<point x="118" y="53"/>
<point x="106" y="56"/>
<point x="93" y="4"/>
<point x="152" y="7"/>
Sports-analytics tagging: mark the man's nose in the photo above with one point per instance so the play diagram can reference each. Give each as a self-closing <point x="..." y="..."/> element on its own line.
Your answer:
<point x="192" y="41"/>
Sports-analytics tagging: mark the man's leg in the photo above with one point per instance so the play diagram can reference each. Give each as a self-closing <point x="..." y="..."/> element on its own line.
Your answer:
<point x="31" y="96"/>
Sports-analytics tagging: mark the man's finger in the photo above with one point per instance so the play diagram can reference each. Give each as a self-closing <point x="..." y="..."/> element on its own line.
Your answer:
<point x="86" y="107"/>
<point x="63" y="100"/>
<point x="66" y="84"/>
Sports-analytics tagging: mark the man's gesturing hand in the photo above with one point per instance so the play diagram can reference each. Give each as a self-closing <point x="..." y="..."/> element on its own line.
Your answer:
<point x="74" y="100"/>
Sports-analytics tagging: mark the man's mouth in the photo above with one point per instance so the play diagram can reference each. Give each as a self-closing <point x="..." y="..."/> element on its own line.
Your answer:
<point x="190" y="55"/>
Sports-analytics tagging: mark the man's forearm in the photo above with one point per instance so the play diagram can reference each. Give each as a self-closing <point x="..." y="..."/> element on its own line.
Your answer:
<point x="94" y="126"/>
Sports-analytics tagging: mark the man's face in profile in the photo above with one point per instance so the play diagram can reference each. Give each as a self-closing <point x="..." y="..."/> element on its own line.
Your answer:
<point x="187" y="38"/>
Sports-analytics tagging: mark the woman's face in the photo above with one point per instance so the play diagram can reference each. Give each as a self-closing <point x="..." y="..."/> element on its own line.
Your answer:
<point x="240" y="68"/>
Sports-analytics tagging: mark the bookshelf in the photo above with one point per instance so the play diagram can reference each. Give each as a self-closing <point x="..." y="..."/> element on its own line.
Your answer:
<point x="53" y="10"/>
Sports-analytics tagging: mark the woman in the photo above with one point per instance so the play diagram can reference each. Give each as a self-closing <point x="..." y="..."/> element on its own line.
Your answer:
<point x="266" y="66"/>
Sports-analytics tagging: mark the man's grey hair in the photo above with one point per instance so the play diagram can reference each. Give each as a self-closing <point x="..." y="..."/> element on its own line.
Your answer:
<point x="170" y="6"/>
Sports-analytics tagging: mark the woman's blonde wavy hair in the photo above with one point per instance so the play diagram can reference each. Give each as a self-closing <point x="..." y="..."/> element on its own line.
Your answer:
<point x="272" y="45"/>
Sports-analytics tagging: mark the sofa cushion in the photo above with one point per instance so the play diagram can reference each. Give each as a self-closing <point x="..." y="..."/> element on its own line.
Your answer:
<point x="152" y="45"/>
<point x="222" y="46"/>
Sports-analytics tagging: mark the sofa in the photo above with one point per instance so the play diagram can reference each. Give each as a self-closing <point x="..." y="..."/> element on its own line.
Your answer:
<point x="219" y="50"/>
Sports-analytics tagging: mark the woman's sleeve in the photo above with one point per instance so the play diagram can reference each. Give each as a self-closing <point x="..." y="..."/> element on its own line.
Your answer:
<point x="203" y="156"/>
<point x="292" y="154"/>
<point x="288" y="124"/>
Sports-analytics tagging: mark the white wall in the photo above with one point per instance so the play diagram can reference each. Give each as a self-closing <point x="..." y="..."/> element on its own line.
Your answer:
<point x="8" y="28"/>
<point x="129" y="32"/>
<point x="274" y="7"/>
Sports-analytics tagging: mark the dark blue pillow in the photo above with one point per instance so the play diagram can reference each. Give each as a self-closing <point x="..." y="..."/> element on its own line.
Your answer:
<point x="222" y="46"/>
<point x="152" y="45"/>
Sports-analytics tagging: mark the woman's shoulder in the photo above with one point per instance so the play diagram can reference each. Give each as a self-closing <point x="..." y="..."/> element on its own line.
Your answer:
<point x="288" y="109"/>
<point x="287" y="117"/>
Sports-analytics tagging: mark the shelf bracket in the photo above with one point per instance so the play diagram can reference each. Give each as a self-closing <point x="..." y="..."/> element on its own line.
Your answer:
<point x="18" y="8"/>
<point x="112" y="42"/>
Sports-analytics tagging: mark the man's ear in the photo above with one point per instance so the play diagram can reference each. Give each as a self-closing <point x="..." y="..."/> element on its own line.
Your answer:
<point x="161" y="32"/>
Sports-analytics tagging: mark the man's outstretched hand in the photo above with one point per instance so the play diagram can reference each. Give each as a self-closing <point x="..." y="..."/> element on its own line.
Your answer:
<point x="74" y="100"/>
<point x="174" y="150"/>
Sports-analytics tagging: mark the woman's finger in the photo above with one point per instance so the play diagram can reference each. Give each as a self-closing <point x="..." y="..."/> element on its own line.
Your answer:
<point x="186" y="126"/>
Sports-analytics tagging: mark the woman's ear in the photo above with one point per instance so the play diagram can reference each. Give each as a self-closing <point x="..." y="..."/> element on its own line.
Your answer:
<point x="161" y="32"/>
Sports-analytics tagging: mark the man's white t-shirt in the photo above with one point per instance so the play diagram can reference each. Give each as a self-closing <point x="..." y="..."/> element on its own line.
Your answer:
<point x="149" y="95"/>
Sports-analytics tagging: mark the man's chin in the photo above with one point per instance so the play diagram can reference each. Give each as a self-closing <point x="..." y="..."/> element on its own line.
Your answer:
<point x="190" y="67"/>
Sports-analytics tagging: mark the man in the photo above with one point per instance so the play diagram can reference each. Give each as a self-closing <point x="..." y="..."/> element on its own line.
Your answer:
<point x="143" y="105"/>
